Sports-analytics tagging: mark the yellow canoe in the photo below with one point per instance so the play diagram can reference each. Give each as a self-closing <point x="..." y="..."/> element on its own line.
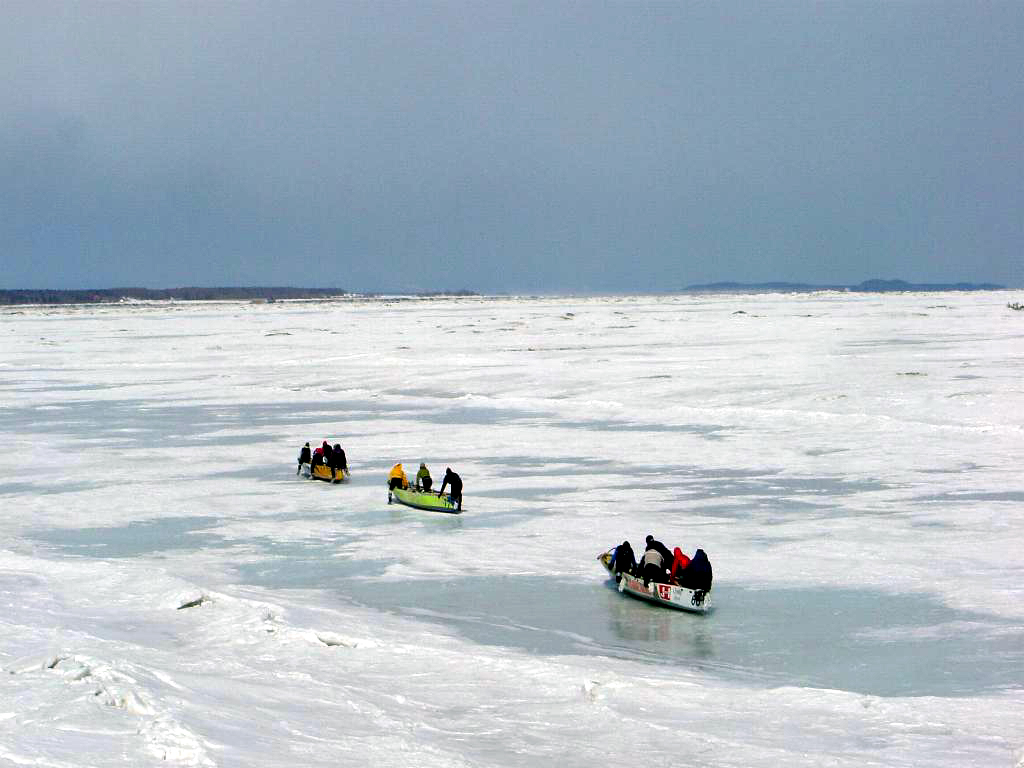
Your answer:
<point x="323" y="472"/>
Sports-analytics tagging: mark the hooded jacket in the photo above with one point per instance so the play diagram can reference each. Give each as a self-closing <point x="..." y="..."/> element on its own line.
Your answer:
<point x="397" y="473"/>
<point x="338" y="457"/>
<point x="452" y="479"/>
<point x="697" y="575"/>
<point x="661" y="549"/>
<point x="624" y="560"/>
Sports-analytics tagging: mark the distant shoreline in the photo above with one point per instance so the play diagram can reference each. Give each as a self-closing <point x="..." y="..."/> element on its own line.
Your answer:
<point x="868" y="286"/>
<point x="228" y="293"/>
<point x="260" y="294"/>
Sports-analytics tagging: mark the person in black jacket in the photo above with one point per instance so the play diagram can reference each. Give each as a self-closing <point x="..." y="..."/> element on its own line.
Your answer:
<point x="304" y="457"/>
<point x="329" y="457"/>
<point x="453" y="480"/>
<point x="655" y="560"/>
<point x="624" y="560"/>
<point x="339" y="458"/>
<point x="697" y="575"/>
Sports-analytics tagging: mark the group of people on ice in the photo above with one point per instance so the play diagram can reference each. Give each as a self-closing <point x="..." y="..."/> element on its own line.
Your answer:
<point x="332" y="458"/>
<point x="659" y="565"/>
<point x="424" y="482"/>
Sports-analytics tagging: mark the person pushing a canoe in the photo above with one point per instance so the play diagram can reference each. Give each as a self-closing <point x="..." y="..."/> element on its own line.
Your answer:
<point x="397" y="478"/>
<point x="623" y="560"/>
<point x="655" y="561"/>
<point x="339" y="462"/>
<point x="453" y="480"/>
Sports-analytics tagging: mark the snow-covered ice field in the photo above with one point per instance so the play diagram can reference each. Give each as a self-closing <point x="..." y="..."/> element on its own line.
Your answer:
<point x="850" y="463"/>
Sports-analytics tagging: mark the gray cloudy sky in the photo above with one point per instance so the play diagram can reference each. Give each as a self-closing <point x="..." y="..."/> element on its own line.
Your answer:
<point x="545" y="147"/>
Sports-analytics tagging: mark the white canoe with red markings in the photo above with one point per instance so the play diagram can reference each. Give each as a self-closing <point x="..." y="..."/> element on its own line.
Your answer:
<point x="668" y="595"/>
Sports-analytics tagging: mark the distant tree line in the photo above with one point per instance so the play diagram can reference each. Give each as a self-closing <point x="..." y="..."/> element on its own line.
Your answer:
<point x="113" y="295"/>
<point x="108" y="295"/>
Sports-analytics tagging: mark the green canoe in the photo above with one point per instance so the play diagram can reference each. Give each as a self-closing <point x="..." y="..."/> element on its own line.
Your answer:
<point x="423" y="500"/>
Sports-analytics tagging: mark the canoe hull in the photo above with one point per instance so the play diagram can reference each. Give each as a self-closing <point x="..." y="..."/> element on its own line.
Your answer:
<point x="321" y="472"/>
<point x="425" y="500"/>
<point x="667" y="595"/>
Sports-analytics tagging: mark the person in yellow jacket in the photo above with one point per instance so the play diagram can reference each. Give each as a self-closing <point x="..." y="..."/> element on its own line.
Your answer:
<point x="397" y="478"/>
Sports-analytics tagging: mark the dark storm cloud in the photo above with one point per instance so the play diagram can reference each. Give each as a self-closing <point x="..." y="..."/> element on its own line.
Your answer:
<point x="540" y="147"/>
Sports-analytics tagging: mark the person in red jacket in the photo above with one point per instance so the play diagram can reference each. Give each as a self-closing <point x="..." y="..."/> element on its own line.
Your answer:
<point x="679" y="562"/>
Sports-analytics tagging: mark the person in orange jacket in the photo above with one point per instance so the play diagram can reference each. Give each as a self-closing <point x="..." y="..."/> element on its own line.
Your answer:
<point x="397" y="478"/>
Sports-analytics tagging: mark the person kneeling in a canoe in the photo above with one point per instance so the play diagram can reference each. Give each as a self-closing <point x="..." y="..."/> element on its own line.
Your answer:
<point x="423" y="479"/>
<point x="655" y="560"/>
<point x="452" y="479"/>
<point x="304" y="457"/>
<point x="397" y="478"/>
